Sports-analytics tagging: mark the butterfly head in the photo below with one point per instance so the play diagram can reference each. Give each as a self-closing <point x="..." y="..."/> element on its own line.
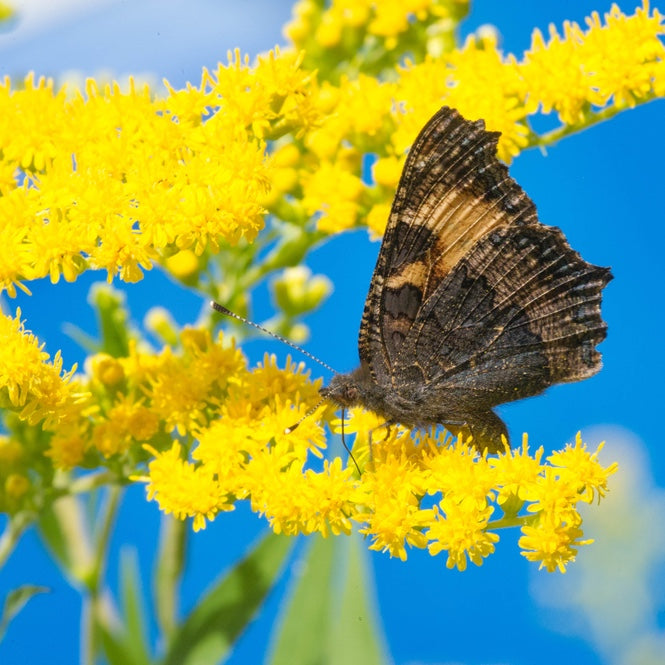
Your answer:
<point x="343" y="389"/>
<point x="356" y="388"/>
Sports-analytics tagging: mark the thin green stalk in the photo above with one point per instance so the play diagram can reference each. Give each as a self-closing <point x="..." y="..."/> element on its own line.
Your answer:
<point x="87" y="632"/>
<point x="96" y="610"/>
<point x="91" y="481"/>
<point x="511" y="521"/>
<point x="108" y="519"/>
<point x="591" y="119"/>
<point x="169" y="568"/>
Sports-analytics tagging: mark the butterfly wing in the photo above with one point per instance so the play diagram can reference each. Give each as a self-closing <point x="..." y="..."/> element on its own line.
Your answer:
<point x="518" y="313"/>
<point x="453" y="191"/>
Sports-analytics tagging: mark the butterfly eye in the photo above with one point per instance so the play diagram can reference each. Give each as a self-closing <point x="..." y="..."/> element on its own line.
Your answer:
<point x="351" y="395"/>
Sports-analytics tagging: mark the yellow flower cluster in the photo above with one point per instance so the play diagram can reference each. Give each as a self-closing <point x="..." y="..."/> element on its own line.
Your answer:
<point x="613" y="63"/>
<point x="619" y="60"/>
<point x="157" y="398"/>
<point x="30" y="383"/>
<point x="255" y="460"/>
<point x="116" y="180"/>
<point x="41" y="395"/>
<point x="236" y="453"/>
<point x="217" y="433"/>
<point x="14" y="481"/>
<point x="344" y="23"/>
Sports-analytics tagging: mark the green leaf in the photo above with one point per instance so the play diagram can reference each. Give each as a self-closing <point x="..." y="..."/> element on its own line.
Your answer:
<point x="329" y="618"/>
<point x="134" y="610"/>
<point x="65" y="531"/>
<point x="113" y="647"/>
<point x="12" y="533"/>
<point x="16" y="600"/>
<point x="209" y="632"/>
<point x="356" y="633"/>
<point x="304" y="630"/>
<point x="116" y="649"/>
<point x="49" y="529"/>
<point x="126" y="643"/>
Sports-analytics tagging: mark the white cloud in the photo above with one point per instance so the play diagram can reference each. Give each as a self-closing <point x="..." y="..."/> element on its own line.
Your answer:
<point x="610" y="596"/>
<point x="35" y="16"/>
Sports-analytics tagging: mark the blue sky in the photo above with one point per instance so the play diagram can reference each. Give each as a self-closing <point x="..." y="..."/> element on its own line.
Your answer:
<point x="603" y="187"/>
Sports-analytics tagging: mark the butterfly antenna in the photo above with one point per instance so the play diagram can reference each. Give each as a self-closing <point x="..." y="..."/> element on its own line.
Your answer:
<point x="288" y="430"/>
<point x="310" y="412"/>
<point x="222" y="310"/>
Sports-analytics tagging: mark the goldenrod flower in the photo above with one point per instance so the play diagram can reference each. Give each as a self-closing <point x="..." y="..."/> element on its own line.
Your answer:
<point x="388" y="499"/>
<point x="458" y="471"/>
<point x="552" y="543"/>
<point x="294" y="501"/>
<point x="387" y="171"/>
<point x="11" y="451"/>
<point x="518" y="471"/>
<point x="31" y="384"/>
<point x="68" y="445"/>
<point x="333" y="192"/>
<point x="580" y="468"/>
<point x="111" y="179"/>
<point x="269" y="382"/>
<point x="16" y="486"/>
<point x="118" y="179"/>
<point x="618" y="59"/>
<point x="392" y="516"/>
<point x="183" y="490"/>
<point x="462" y="532"/>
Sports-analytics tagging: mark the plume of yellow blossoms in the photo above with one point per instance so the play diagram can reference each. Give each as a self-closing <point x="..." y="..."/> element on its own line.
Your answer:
<point x="119" y="180"/>
<point x="232" y="420"/>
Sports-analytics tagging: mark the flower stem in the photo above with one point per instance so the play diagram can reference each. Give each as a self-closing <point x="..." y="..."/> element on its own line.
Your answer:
<point x="168" y="572"/>
<point x="97" y="606"/>
<point x="511" y="521"/>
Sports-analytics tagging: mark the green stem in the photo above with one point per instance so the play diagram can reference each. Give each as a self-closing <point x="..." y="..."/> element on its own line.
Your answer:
<point x="555" y="135"/>
<point x="511" y="521"/>
<point x="91" y="481"/>
<point x="280" y="258"/>
<point x="87" y="632"/>
<point x="591" y="119"/>
<point x="104" y="536"/>
<point x="169" y="568"/>
<point x="97" y="609"/>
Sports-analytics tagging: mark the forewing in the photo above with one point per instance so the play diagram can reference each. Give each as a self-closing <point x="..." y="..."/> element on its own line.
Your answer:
<point x="519" y="312"/>
<point x="453" y="191"/>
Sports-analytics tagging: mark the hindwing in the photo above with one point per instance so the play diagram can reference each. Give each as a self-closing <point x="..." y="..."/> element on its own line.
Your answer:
<point x="518" y="313"/>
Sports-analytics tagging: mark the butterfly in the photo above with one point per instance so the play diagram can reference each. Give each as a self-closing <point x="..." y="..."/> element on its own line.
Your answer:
<point x="473" y="301"/>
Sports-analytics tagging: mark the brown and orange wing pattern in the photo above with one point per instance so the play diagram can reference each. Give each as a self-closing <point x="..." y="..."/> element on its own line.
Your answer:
<point x="453" y="192"/>
<point x="518" y="313"/>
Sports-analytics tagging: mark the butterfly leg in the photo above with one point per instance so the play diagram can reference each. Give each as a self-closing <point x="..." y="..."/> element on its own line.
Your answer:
<point x="486" y="429"/>
<point x="388" y="424"/>
<point x="489" y="431"/>
<point x="456" y="427"/>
